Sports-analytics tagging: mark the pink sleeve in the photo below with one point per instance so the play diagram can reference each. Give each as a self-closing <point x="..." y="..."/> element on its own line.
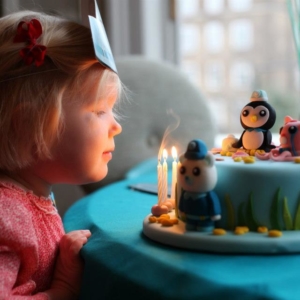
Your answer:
<point x="9" y="268"/>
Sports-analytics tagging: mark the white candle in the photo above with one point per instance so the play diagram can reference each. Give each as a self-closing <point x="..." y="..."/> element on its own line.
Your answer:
<point x="165" y="176"/>
<point x="174" y="172"/>
<point x="159" y="183"/>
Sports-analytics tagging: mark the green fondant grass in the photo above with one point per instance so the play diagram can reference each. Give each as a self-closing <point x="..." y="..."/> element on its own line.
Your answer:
<point x="287" y="218"/>
<point x="274" y="211"/>
<point x="297" y="217"/>
<point x="252" y="223"/>
<point x="278" y="212"/>
<point x="241" y="215"/>
<point x="230" y="213"/>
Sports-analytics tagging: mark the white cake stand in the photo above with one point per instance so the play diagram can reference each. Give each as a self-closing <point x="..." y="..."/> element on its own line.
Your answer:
<point x="251" y="242"/>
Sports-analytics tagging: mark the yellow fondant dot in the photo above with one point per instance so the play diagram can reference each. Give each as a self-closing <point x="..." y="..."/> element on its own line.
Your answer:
<point x="152" y="219"/>
<point x="219" y="231"/>
<point x="262" y="229"/>
<point x="163" y="217"/>
<point x="166" y="216"/>
<point x="166" y="222"/>
<point x="297" y="160"/>
<point x="252" y="152"/>
<point x="241" y="230"/>
<point x="237" y="159"/>
<point x="260" y="151"/>
<point x="275" y="233"/>
<point x="249" y="159"/>
<point x="245" y="228"/>
<point x="174" y="221"/>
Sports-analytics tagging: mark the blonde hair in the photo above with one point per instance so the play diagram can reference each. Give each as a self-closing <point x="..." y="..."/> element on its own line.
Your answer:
<point x="31" y="115"/>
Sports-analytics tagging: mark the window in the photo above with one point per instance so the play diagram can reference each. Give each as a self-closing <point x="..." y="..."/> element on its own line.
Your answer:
<point x="213" y="7"/>
<point x="245" y="45"/>
<point x="214" y="36"/>
<point x="190" y="39"/>
<point x="214" y="75"/>
<point x="240" y="5"/>
<point x="242" y="76"/>
<point x="227" y="47"/>
<point x="188" y="8"/>
<point x="241" y="35"/>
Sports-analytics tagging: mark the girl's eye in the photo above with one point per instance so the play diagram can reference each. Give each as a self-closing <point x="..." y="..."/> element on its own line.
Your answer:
<point x="100" y="113"/>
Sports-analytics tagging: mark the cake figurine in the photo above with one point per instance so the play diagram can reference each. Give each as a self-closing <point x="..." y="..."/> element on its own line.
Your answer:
<point x="289" y="148"/>
<point x="257" y="118"/>
<point x="199" y="205"/>
<point x="290" y="136"/>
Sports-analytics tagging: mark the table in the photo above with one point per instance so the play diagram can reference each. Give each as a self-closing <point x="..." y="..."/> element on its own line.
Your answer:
<point x="121" y="263"/>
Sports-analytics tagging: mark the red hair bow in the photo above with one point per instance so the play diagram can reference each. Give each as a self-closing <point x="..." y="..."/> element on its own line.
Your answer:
<point x="29" y="32"/>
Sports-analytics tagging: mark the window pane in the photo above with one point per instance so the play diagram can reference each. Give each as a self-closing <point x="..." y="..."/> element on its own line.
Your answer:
<point x="240" y="5"/>
<point x="241" y="75"/>
<point x="190" y="39"/>
<point x="241" y="35"/>
<point x="213" y="7"/>
<point x="214" y="36"/>
<point x="188" y="8"/>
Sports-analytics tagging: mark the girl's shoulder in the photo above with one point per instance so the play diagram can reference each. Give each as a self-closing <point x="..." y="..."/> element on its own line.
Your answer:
<point x="10" y="194"/>
<point x="15" y="221"/>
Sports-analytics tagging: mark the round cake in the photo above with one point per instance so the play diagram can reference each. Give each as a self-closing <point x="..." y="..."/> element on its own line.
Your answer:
<point x="261" y="193"/>
<point x="245" y="197"/>
<point x="260" y="211"/>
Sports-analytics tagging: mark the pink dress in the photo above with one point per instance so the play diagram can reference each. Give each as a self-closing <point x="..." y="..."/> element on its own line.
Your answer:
<point x="30" y="231"/>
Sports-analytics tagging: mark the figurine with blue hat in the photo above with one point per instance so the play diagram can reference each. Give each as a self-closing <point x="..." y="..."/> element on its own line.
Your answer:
<point x="199" y="206"/>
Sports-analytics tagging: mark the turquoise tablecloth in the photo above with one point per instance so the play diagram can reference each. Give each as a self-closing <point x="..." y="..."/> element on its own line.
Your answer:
<point x="121" y="263"/>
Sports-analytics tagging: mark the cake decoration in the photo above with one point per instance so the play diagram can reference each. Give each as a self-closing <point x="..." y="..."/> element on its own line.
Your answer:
<point x="238" y="198"/>
<point x="289" y="148"/>
<point x="199" y="206"/>
<point x="257" y="118"/>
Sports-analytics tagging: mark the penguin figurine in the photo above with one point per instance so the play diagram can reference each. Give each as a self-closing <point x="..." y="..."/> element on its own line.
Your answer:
<point x="257" y="117"/>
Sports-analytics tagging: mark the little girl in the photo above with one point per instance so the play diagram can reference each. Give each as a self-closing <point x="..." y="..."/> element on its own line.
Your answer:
<point x="56" y="126"/>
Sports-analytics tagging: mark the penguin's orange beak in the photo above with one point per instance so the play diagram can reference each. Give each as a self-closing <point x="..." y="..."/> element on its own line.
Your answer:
<point x="253" y="119"/>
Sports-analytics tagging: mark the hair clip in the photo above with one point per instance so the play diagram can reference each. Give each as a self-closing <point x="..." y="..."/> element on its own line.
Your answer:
<point x="29" y="32"/>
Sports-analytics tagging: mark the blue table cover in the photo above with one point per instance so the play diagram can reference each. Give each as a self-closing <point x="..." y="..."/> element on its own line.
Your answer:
<point x="121" y="263"/>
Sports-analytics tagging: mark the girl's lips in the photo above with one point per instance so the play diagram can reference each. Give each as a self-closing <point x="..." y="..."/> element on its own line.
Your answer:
<point x="107" y="154"/>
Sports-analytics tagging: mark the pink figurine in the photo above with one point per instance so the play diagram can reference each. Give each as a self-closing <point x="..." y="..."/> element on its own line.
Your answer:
<point x="289" y="141"/>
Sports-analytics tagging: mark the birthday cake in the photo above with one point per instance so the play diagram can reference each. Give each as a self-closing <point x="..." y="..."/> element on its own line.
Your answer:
<point x="241" y="198"/>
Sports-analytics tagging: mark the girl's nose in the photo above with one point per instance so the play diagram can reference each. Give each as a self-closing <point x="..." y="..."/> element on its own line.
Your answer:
<point x="116" y="128"/>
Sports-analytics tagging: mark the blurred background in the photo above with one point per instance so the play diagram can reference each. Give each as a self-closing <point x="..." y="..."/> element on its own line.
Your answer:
<point x="227" y="48"/>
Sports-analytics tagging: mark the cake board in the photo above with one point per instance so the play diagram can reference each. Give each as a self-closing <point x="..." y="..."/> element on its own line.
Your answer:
<point x="248" y="243"/>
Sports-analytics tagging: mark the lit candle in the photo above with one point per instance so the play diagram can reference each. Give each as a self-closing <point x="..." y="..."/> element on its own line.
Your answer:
<point x="174" y="172"/>
<point x="165" y="176"/>
<point x="159" y="183"/>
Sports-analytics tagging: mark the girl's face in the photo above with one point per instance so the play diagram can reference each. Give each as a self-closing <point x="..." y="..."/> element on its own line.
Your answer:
<point x="86" y="144"/>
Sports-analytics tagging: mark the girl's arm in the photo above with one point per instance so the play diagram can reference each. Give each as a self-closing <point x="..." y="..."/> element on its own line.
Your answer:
<point x="67" y="276"/>
<point x="69" y="266"/>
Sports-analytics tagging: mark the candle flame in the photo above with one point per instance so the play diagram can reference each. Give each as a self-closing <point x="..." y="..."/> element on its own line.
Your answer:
<point x="165" y="154"/>
<point x="174" y="153"/>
